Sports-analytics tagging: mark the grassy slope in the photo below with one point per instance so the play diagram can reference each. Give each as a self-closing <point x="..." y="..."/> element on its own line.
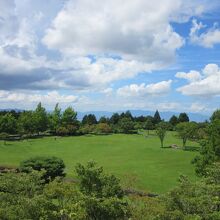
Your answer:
<point x="156" y="169"/>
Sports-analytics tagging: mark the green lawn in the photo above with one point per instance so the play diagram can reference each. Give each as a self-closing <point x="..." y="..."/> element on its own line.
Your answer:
<point x="136" y="156"/>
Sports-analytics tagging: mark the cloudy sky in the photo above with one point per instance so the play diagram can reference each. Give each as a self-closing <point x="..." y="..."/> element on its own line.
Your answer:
<point x="110" y="55"/>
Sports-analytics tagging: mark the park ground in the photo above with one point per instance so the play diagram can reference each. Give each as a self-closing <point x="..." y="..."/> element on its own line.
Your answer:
<point x="138" y="160"/>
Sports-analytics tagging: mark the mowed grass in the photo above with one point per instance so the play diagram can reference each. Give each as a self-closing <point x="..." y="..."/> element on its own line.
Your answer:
<point x="126" y="156"/>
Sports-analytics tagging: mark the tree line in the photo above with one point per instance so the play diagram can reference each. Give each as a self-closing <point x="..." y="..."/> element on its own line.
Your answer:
<point x="58" y="122"/>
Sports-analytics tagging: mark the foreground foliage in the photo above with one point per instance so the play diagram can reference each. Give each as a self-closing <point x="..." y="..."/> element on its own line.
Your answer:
<point x="97" y="196"/>
<point x="200" y="200"/>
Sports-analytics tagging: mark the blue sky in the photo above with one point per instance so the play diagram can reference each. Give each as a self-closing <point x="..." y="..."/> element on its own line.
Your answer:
<point x="107" y="55"/>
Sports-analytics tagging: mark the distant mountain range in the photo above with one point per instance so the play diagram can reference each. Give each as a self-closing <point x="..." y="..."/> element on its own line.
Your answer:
<point x="164" y="115"/>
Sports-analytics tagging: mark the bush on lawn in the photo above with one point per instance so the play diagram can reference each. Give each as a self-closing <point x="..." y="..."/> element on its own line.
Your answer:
<point x="53" y="166"/>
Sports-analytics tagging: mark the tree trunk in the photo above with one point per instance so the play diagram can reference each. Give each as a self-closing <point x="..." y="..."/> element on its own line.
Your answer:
<point x="161" y="143"/>
<point x="184" y="143"/>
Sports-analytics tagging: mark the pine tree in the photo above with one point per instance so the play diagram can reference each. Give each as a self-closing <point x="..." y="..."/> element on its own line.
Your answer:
<point x="157" y="118"/>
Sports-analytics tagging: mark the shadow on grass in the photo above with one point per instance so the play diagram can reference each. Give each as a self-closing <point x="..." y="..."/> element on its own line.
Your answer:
<point x="191" y="148"/>
<point x="187" y="148"/>
<point x="166" y="147"/>
<point x="6" y="144"/>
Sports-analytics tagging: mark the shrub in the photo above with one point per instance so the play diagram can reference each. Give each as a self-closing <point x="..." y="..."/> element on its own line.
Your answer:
<point x="53" y="166"/>
<point x="103" y="128"/>
<point x="62" y="131"/>
<point x="87" y="129"/>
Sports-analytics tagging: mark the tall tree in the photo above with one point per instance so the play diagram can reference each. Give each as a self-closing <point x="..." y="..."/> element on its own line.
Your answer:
<point x="186" y="130"/>
<point x="126" y="125"/>
<point x="103" y="119"/>
<point x="183" y="117"/>
<point x="41" y="118"/>
<point x="89" y="119"/>
<point x="156" y="118"/>
<point x="56" y="118"/>
<point x="161" y="130"/>
<point x="148" y="124"/>
<point x="27" y="122"/>
<point x="128" y="115"/>
<point x="114" y="118"/>
<point x="69" y="116"/>
<point x="69" y="121"/>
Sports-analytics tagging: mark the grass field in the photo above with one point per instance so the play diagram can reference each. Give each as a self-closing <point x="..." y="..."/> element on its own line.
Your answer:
<point x="126" y="156"/>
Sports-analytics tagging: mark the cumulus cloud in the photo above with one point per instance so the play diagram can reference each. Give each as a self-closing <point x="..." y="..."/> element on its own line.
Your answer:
<point x="142" y="90"/>
<point x="107" y="91"/>
<point x="135" y="30"/>
<point x="122" y="39"/>
<point x="206" y="39"/>
<point x="207" y="85"/>
<point x="49" y="99"/>
<point x="197" y="107"/>
<point x="192" y="76"/>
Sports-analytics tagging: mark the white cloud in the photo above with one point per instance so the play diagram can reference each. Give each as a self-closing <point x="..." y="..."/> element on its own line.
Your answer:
<point x="135" y="30"/>
<point x="98" y="74"/>
<point x="49" y="99"/>
<point x="198" y="107"/>
<point x="192" y="76"/>
<point x="142" y="90"/>
<point x="207" y="86"/>
<point x="207" y="39"/>
<point x="107" y="91"/>
<point x="138" y="33"/>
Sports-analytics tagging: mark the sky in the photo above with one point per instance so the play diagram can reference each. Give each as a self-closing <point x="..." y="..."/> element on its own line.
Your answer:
<point x="110" y="55"/>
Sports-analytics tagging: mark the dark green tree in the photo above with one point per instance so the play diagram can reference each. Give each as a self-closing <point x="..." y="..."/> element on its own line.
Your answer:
<point x="183" y="117"/>
<point x="27" y="123"/>
<point x="103" y="119"/>
<point x="8" y="124"/>
<point x="69" y="116"/>
<point x="128" y="115"/>
<point x="114" y="118"/>
<point x="69" y="120"/>
<point x="173" y="120"/>
<point x="156" y="118"/>
<point x="126" y="125"/>
<point x="91" y="119"/>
